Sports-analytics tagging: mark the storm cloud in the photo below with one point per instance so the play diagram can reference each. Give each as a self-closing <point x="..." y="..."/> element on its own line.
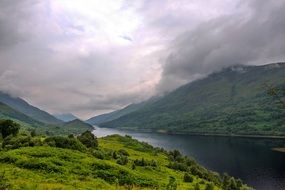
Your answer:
<point x="255" y="37"/>
<point x="89" y="57"/>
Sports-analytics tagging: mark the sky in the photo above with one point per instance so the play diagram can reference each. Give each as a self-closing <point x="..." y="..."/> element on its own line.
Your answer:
<point x="89" y="57"/>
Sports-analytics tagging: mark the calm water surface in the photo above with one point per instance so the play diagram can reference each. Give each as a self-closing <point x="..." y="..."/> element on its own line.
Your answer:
<point x="250" y="159"/>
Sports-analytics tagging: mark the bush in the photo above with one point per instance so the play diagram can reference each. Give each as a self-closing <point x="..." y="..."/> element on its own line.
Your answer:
<point x="123" y="152"/>
<point x="65" y="142"/>
<point x="143" y="162"/>
<point x="33" y="133"/>
<point x="99" y="154"/>
<point x="11" y="142"/>
<point x="178" y="166"/>
<point x="88" y="139"/>
<point x="209" y="186"/>
<point x="123" y="160"/>
<point x="9" y="127"/>
<point x="188" y="178"/>
<point x="197" y="186"/>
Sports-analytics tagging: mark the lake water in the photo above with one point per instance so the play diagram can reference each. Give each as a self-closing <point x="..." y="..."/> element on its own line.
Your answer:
<point x="250" y="159"/>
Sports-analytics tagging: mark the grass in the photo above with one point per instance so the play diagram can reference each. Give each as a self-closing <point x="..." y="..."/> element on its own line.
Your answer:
<point x="52" y="168"/>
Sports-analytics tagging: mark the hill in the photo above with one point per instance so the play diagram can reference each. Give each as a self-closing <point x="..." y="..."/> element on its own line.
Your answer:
<point x="65" y="117"/>
<point x="119" y="113"/>
<point x="113" y="115"/>
<point x="77" y="124"/>
<point x="118" y="163"/>
<point x="27" y="109"/>
<point x="7" y="112"/>
<point x="232" y="101"/>
<point x="73" y="127"/>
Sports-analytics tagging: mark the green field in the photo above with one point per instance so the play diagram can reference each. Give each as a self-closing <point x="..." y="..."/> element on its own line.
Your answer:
<point x="118" y="162"/>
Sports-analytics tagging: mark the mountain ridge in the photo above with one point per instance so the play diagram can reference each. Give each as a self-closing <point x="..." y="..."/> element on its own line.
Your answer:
<point x="23" y="106"/>
<point x="231" y="101"/>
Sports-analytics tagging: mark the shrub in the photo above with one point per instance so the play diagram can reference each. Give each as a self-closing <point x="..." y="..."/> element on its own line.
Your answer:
<point x="188" y="178"/>
<point x="33" y="133"/>
<point x="175" y="155"/>
<point x="123" y="152"/>
<point x="143" y="162"/>
<point x="11" y="142"/>
<point x="101" y="155"/>
<point x="88" y="139"/>
<point x="209" y="186"/>
<point x="123" y="160"/>
<point x="65" y="142"/>
<point x="9" y="127"/>
<point x="178" y="166"/>
<point x="197" y="186"/>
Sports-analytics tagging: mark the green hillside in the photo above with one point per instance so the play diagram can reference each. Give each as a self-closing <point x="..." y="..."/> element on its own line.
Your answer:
<point x="27" y="109"/>
<point x="232" y="101"/>
<point x="119" y="113"/>
<point x="118" y="163"/>
<point x="7" y="112"/>
<point x="77" y="126"/>
<point x="28" y="123"/>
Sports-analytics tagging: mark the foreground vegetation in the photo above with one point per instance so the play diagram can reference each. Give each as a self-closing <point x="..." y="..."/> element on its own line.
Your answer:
<point x="31" y="161"/>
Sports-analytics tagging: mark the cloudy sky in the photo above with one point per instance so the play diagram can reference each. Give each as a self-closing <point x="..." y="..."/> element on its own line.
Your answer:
<point x="88" y="57"/>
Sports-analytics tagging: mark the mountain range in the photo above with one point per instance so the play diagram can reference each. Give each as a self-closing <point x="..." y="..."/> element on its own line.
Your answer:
<point x="231" y="101"/>
<point x="65" y="117"/>
<point x="29" y="110"/>
<point x="31" y="117"/>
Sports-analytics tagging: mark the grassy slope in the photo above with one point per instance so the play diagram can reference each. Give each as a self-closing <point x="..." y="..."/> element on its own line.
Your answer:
<point x="47" y="168"/>
<point x="228" y="102"/>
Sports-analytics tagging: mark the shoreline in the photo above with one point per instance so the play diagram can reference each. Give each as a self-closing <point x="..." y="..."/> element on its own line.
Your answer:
<point x="282" y="150"/>
<point x="202" y="134"/>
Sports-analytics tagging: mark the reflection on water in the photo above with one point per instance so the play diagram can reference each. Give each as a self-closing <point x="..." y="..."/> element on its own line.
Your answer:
<point x="250" y="159"/>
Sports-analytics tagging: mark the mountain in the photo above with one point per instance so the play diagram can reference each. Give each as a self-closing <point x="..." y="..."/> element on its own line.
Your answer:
<point x="29" y="110"/>
<point x="65" y="117"/>
<point x="118" y="113"/>
<point x="232" y="101"/>
<point x="77" y="125"/>
<point x="7" y="112"/>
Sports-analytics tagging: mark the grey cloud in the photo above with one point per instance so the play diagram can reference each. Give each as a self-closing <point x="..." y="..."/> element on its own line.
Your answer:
<point x="256" y="38"/>
<point x="55" y="59"/>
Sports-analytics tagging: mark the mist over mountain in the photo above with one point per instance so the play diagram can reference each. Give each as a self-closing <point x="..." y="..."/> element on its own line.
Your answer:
<point x="29" y="110"/>
<point x="232" y="101"/>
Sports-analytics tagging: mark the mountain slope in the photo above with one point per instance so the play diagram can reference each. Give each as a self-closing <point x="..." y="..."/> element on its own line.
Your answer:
<point x="119" y="113"/>
<point x="73" y="127"/>
<point x="65" y="117"/>
<point x="29" y="110"/>
<point x="7" y="112"/>
<point x="232" y="101"/>
<point x="77" y="124"/>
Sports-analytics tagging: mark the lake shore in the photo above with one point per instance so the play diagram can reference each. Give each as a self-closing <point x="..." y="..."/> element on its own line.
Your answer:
<point x="279" y="149"/>
<point x="162" y="131"/>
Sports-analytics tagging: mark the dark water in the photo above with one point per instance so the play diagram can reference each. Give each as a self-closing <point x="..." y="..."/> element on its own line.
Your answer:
<point x="250" y="159"/>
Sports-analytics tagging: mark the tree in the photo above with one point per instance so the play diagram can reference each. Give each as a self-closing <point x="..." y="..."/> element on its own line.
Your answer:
<point x="9" y="127"/>
<point x="33" y="133"/>
<point x="188" y="178"/>
<point x="277" y="93"/>
<point x="88" y="139"/>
